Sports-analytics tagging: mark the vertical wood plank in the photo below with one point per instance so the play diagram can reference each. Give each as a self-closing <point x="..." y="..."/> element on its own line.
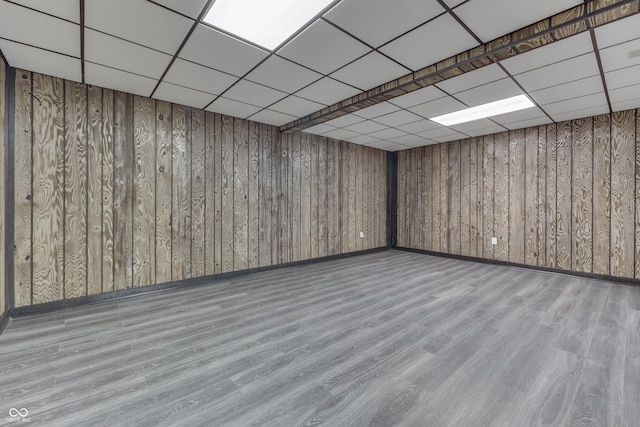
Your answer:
<point x="517" y="196"/>
<point x="305" y="196"/>
<point x="465" y="199"/>
<point x="343" y="203"/>
<point x="563" y="212"/>
<point x="284" y="196"/>
<point x="542" y="194"/>
<point x="23" y="197"/>
<point x="198" y="191"/>
<point x="420" y="199"/>
<point x="622" y="193"/>
<point x="551" y="222"/>
<point x="210" y="171"/>
<point x="436" y="235"/>
<point x="359" y="186"/>
<point x="294" y="196"/>
<point x="444" y="198"/>
<point x="454" y="197"/>
<point x="253" y="196"/>
<point x="531" y="203"/>
<point x="314" y="179"/>
<point x="382" y="199"/>
<point x="265" y="194"/>
<point x="582" y="203"/>
<point x="402" y="212"/>
<point x="144" y="190"/>
<point x="3" y="188"/>
<point x="410" y="199"/>
<point x="181" y="195"/>
<point x="276" y="180"/>
<point x="474" y="205"/>
<point x="333" y="194"/>
<point x="323" y="200"/>
<point x="501" y="196"/>
<point x="94" y="190"/>
<point x="637" y="196"/>
<point x="108" y="165"/>
<point x="48" y="189"/>
<point x="240" y="194"/>
<point x="352" y="234"/>
<point x="427" y="195"/>
<point x="601" y="194"/>
<point x="218" y="191"/>
<point x="163" y="192"/>
<point x="488" y="250"/>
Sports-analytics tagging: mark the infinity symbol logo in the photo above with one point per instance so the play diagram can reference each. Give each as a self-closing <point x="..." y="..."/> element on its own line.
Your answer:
<point x="15" y="413"/>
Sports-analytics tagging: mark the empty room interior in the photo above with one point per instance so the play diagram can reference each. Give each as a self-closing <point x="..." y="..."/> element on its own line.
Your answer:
<point x="336" y="212"/>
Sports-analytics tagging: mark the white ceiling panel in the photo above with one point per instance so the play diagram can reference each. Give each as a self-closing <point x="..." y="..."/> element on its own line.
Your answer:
<point x="485" y="131"/>
<point x="346" y="120"/>
<point x="111" y="78"/>
<point x="214" y="49"/>
<point x="117" y="53"/>
<point x="418" y="127"/>
<point x="327" y="91"/>
<point x="489" y="19"/>
<point x="519" y="116"/>
<point x="320" y="129"/>
<point x="578" y="114"/>
<point x="405" y="49"/>
<point x="398" y="118"/>
<point x="378" y="21"/>
<point x="490" y="92"/>
<point x="528" y="123"/>
<point x="556" y="52"/>
<point x="377" y="110"/>
<point x="41" y="61"/>
<point x="472" y="79"/>
<point x="182" y="95"/>
<point x="625" y="94"/>
<point x="618" y="32"/>
<point x="272" y="117"/>
<point x="254" y="93"/>
<point x="621" y="55"/>
<point x="572" y="89"/>
<point x="475" y="125"/>
<point x="450" y="137"/>
<point x="191" y="8"/>
<point x="65" y="9"/>
<point x="233" y="108"/>
<point x="438" y="107"/>
<point x="574" y="104"/>
<point x="370" y="71"/>
<point x="388" y="133"/>
<point x="26" y="26"/>
<point x="363" y="140"/>
<point x="409" y="140"/>
<point x="282" y="74"/>
<point x="198" y="77"/>
<point x="368" y="126"/>
<point x="625" y="105"/>
<point x="295" y="106"/>
<point x="139" y="21"/>
<point x="441" y="131"/>
<point x="324" y="48"/>
<point x="341" y="134"/>
<point x="559" y="73"/>
<point x="453" y="3"/>
<point x="387" y="146"/>
<point x="419" y="96"/>
<point x="624" y="77"/>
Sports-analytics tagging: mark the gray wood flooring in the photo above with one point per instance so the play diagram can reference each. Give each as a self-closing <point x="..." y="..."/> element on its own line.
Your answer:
<point x="389" y="338"/>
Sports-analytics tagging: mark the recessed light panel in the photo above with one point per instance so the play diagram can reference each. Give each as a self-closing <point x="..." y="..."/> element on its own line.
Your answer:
<point x="265" y="23"/>
<point x="491" y="109"/>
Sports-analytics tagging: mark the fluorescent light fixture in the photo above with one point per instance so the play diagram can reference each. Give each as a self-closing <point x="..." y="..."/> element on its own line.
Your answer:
<point x="491" y="109"/>
<point x="266" y="23"/>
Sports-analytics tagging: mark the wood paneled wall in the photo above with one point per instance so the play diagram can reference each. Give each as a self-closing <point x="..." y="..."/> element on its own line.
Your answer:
<point x="3" y="131"/>
<point x="114" y="191"/>
<point x="564" y="196"/>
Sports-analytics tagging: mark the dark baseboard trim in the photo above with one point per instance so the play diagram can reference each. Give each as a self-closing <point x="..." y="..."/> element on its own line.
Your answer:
<point x="4" y="320"/>
<point x="604" y="277"/>
<point x="199" y="281"/>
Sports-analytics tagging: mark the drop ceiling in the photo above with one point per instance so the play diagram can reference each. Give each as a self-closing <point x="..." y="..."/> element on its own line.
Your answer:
<point x="161" y="49"/>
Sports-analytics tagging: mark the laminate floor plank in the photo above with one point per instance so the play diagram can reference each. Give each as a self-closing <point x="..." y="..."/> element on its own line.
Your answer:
<point x="387" y="338"/>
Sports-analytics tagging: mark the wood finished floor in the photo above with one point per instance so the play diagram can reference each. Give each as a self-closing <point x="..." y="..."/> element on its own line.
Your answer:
<point x="390" y="338"/>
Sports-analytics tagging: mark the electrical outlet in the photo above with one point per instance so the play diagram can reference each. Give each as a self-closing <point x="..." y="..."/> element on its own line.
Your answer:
<point x="362" y="234"/>
<point x="494" y="241"/>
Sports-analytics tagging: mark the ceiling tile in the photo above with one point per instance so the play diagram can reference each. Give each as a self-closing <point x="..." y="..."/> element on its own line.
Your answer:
<point x="480" y="15"/>
<point x="624" y="77"/>
<point x="472" y="79"/>
<point x="198" y="77"/>
<point x="578" y="114"/>
<point x="528" y="123"/>
<point x="233" y="108"/>
<point x="139" y="21"/>
<point x="574" y="104"/>
<point x="272" y="118"/>
<point x="625" y="105"/>
<point x="254" y="94"/>
<point x="559" y="73"/>
<point x="490" y="92"/>
<point x="370" y="71"/>
<point x="341" y="134"/>
<point x="410" y="140"/>
<point x="319" y="129"/>
<point x="475" y="125"/>
<point x="619" y="56"/>
<point x="388" y="133"/>
<point x="486" y="131"/>
<point x="111" y="78"/>
<point x="296" y="106"/>
<point x="363" y="139"/>
<point x="282" y="74"/>
<point x="419" y="96"/>
<point x="624" y="94"/>
<point x="441" y="132"/>
<point x="618" y="31"/>
<point x="519" y="116"/>
<point x="454" y="3"/>
<point x="65" y="9"/>
<point x="26" y="26"/>
<point x="327" y="91"/>
<point x="191" y="8"/>
<point x="555" y="52"/>
<point x="368" y="126"/>
<point x="569" y="90"/>
<point x="450" y="137"/>
<point x="386" y="145"/>
<point x="214" y="49"/>
<point x="420" y="126"/>
<point x="346" y="120"/>
<point x="378" y="21"/>
<point x="323" y="47"/>
<point x="398" y="118"/>
<point x="117" y="53"/>
<point x="438" y="107"/>
<point x="407" y="51"/>
<point x="182" y="95"/>
<point x="376" y="110"/>
<point x="41" y="61"/>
